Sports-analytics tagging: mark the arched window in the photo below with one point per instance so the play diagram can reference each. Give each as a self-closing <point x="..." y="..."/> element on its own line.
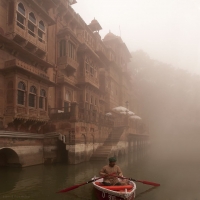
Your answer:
<point x="92" y="69"/>
<point x="95" y="101"/>
<point x="62" y="48"/>
<point x="41" y="25"/>
<point x="87" y="66"/>
<point x="32" y="96"/>
<point x="71" y="50"/>
<point x="41" y="31"/>
<point x="68" y="96"/>
<point x="21" y="9"/>
<point x="32" y="18"/>
<point x="21" y="16"/>
<point x="91" y="99"/>
<point x="86" y="97"/>
<point x="42" y="99"/>
<point x="95" y="71"/>
<point x="31" y="24"/>
<point x="21" y="93"/>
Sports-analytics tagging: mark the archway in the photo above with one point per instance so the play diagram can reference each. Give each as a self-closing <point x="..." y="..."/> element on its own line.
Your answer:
<point x="9" y="158"/>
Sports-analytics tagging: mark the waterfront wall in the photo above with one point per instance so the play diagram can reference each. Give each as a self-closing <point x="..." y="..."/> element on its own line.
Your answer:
<point x="21" y="149"/>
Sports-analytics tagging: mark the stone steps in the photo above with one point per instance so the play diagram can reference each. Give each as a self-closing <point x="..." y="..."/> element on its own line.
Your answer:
<point x="103" y="151"/>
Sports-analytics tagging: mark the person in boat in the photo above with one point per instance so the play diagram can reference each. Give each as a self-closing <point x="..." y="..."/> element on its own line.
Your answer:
<point x="113" y="169"/>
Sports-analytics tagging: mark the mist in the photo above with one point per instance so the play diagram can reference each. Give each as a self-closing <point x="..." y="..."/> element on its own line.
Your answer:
<point x="164" y="38"/>
<point x="168" y="30"/>
<point x="168" y="102"/>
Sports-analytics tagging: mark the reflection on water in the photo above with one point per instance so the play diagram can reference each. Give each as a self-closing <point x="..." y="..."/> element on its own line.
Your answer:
<point x="42" y="182"/>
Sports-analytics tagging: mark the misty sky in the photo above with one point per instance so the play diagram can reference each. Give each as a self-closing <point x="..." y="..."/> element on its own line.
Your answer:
<point x="168" y="30"/>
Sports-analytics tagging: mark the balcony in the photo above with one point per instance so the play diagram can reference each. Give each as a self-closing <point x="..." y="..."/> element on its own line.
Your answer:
<point x="27" y="39"/>
<point x="24" y="113"/>
<point x="88" y="78"/>
<point x="15" y="63"/>
<point x="42" y="7"/>
<point x="77" y="35"/>
<point x="88" y="47"/>
<point x="67" y="63"/>
<point x="15" y="47"/>
<point x="71" y="80"/>
<point x="102" y="53"/>
<point x="65" y="113"/>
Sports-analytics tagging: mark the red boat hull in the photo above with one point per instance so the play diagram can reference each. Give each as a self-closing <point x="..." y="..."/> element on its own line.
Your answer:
<point x="120" y="192"/>
<point x="105" y="196"/>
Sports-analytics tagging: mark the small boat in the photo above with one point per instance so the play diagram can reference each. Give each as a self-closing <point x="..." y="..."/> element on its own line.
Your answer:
<point x="117" y="192"/>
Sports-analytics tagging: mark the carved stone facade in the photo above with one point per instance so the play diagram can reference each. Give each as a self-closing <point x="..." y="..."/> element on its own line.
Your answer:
<point x="57" y="74"/>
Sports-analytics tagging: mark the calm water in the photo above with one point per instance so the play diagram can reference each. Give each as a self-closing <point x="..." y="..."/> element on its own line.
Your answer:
<point x="179" y="179"/>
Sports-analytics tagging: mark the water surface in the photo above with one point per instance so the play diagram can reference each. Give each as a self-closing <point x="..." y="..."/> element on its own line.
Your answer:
<point x="179" y="179"/>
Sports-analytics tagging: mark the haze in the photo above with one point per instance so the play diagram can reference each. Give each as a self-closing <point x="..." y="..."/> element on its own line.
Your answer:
<point x="168" y="30"/>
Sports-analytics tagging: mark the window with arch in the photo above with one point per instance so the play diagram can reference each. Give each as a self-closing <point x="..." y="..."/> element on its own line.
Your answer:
<point x="71" y="50"/>
<point x="32" y="96"/>
<point x="41" y="31"/>
<point x="68" y="96"/>
<point x="86" y="97"/>
<point x="62" y="48"/>
<point x="21" y="93"/>
<point x="31" y="24"/>
<point x="95" y="71"/>
<point x="95" y="102"/>
<point x="87" y="66"/>
<point x="42" y="99"/>
<point x="91" y="99"/>
<point x="21" y="16"/>
<point x="92" y="69"/>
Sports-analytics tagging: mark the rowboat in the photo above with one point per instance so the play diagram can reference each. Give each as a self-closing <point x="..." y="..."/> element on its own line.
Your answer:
<point x="121" y="192"/>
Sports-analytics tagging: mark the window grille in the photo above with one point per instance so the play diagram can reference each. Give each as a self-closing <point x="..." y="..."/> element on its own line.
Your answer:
<point x="21" y="93"/>
<point x="32" y="96"/>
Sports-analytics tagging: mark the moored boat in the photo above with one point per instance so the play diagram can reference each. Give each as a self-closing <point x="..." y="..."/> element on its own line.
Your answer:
<point x="121" y="192"/>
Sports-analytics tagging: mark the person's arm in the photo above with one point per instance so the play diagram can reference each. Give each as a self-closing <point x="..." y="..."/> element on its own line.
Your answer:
<point x="103" y="172"/>
<point x="119" y="171"/>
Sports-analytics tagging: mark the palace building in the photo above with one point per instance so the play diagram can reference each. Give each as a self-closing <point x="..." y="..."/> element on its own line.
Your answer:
<point x="59" y="79"/>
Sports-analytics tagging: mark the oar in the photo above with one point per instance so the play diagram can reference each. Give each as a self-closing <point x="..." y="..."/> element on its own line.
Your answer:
<point x="76" y="186"/>
<point x="146" y="191"/>
<point x="144" y="182"/>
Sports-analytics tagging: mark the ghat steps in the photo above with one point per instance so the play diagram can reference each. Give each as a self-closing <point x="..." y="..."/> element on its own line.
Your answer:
<point x="103" y="151"/>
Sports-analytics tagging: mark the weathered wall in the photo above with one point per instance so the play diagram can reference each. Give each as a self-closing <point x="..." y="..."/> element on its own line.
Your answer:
<point x="87" y="138"/>
<point x="31" y="151"/>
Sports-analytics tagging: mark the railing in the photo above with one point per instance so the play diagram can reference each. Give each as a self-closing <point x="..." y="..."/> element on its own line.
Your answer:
<point x="60" y="113"/>
<point x="85" y="115"/>
<point x="27" y="67"/>
<point x="66" y="60"/>
<point x="25" y="33"/>
<point x="65" y="79"/>
<point x="90" y="79"/>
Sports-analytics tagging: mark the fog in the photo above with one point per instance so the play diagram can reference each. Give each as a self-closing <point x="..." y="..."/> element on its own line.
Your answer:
<point x="168" y="102"/>
<point x="168" y="30"/>
<point x="164" y="38"/>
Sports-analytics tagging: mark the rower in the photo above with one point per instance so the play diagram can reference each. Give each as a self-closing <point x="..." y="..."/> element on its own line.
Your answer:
<point x="110" y="172"/>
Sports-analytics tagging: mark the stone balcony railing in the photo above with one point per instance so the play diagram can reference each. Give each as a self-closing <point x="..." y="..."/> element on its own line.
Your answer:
<point x="26" y="113"/>
<point x="31" y="39"/>
<point x="88" y="78"/>
<point x="65" y="61"/>
<point x="22" y="65"/>
<point x="65" y="79"/>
